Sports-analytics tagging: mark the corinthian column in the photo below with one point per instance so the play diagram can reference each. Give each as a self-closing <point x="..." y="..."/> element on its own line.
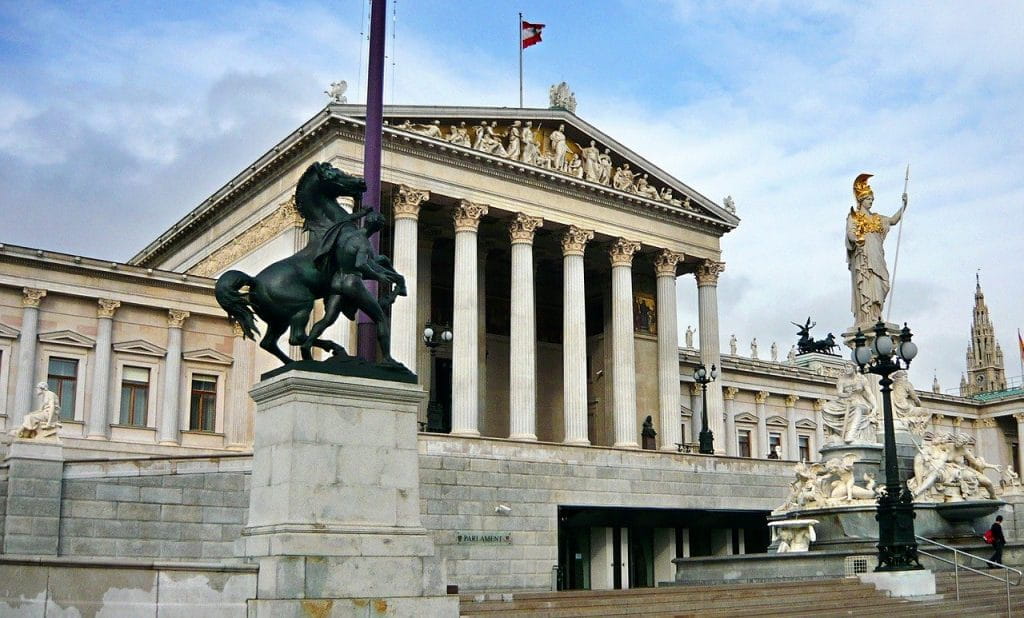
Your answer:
<point x="819" y="429"/>
<point x="792" y="444"/>
<point x="760" y="407"/>
<point x="238" y="418"/>
<point x="99" y="415"/>
<point x="729" y="394"/>
<point x="404" y="331"/>
<point x="466" y="322"/>
<point x="668" y="350"/>
<point x="707" y="306"/>
<point x="523" y="335"/>
<point x="623" y="354"/>
<point x="574" y="335"/>
<point x="170" y="422"/>
<point x="1019" y="464"/>
<point x="31" y="297"/>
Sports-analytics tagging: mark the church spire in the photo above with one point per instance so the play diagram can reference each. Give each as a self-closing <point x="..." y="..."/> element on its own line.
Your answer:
<point x="985" y="371"/>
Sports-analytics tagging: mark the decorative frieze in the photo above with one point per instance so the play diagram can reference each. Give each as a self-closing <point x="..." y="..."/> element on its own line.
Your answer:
<point x="665" y="262"/>
<point x="523" y="228"/>
<point x="708" y="272"/>
<point x="31" y="297"/>
<point x="467" y="216"/>
<point x="107" y="307"/>
<point x="176" y="318"/>
<point x="406" y="203"/>
<point x="622" y="250"/>
<point x="575" y="240"/>
<point x="286" y="216"/>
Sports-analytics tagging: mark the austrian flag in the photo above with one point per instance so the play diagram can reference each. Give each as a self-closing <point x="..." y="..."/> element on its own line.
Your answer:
<point x="531" y="34"/>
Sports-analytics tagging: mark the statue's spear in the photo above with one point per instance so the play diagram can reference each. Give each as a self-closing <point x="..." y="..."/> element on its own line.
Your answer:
<point x="899" y="236"/>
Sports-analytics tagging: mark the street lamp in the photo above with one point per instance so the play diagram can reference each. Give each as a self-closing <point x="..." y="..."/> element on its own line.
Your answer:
<point x="433" y="337"/>
<point x="707" y="438"/>
<point x="897" y="547"/>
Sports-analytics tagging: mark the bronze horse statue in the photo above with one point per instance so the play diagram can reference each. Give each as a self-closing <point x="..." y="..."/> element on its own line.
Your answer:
<point x="332" y="266"/>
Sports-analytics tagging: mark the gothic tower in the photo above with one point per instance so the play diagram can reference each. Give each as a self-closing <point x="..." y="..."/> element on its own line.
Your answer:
<point x="985" y="371"/>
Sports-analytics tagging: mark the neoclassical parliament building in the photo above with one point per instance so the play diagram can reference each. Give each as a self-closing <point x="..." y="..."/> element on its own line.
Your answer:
<point x="553" y="253"/>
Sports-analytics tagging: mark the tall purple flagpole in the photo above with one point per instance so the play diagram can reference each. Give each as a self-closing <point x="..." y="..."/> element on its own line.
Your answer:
<point x="366" y="334"/>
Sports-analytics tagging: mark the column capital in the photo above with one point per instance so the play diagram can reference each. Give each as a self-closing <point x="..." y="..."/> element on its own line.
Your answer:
<point x="1019" y="416"/>
<point x="730" y="392"/>
<point x="988" y="422"/>
<point x="31" y="297"/>
<point x="236" y="329"/>
<point x="622" y="250"/>
<point x="694" y="388"/>
<point x="406" y="203"/>
<point x="575" y="240"/>
<point x="957" y="420"/>
<point x="761" y="396"/>
<point x="665" y="262"/>
<point x="523" y="227"/>
<point x="176" y="318"/>
<point x="467" y="215"/>
<point x="819" y="404"/>
<point x="107" y="307"/>
<point x="791" y="400"/>
<point x="708" y="271"/>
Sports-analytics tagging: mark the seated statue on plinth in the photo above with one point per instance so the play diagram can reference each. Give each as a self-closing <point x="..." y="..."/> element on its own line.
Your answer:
<point x="41" y="423"/>
<point x="853" y="417"/>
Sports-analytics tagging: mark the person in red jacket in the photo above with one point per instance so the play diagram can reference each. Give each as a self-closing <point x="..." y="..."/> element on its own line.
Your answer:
<point x="998" y="541"/>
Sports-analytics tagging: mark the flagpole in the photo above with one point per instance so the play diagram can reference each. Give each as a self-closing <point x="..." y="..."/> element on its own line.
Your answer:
<point x="519" y="39"/>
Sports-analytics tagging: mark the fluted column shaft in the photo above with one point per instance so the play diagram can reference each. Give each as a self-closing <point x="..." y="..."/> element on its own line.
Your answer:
<point x="760" y="407"/>
<point x="792" y="443"/>
<point x="574" y="336"/>
<point x="237" y="423"/>
<point x="819" y="429"/>
<point x="668" y="350"/>
<point x="404" y="330"/>
<point x="466" y="322"/>
<point x="1020" y="442"/>
<point x="707" y="301"/>
<point x="729" y="393"/>
<point x="27" y="343"/>
<point x="170" y="413"/>
<point x="623" y="353"/>
<point x="100" y="416"/>
<point x="696" y="407"/>
<point x="523" y="334"/>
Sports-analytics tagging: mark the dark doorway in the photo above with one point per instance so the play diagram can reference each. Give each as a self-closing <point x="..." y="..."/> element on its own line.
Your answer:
<point x="641" y="557"/>
<point x="443" y="381"/>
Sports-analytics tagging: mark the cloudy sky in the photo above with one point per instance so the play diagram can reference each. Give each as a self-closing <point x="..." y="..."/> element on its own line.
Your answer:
<point x="116" y="118"/>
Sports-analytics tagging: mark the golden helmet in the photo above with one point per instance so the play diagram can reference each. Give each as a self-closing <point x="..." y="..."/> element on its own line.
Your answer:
<point x="861" y="188"/>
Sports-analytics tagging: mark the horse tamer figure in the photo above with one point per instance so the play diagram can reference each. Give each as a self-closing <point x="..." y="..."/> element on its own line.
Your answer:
<point x="332" y="266"/>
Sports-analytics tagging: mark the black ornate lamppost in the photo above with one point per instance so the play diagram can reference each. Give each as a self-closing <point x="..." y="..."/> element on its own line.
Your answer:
<point x="897" y="546"/>
<point x="434" y="337"/>
<point x="707" y="437"/>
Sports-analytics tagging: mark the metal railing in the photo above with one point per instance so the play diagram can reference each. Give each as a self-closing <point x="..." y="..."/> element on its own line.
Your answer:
<point x="957" y="565"/>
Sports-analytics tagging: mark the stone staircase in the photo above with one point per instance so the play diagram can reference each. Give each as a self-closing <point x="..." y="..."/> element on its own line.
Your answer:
<point x="980" y="597"/>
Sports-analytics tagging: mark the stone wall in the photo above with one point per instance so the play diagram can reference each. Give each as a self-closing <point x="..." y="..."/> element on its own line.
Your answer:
<point x="182" y="509"/>
<point x="462" y="481"/>
<point x="3" y="501"/>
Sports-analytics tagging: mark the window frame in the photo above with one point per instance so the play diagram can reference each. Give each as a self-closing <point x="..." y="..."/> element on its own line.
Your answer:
<point x="185" y="405"/>
<point x="748" y="434"/>
<point x="134" y="387"/>
<point x="800" y="438"/>
<point x="82" y="355"/>
<point x="780" y="443"/>
<point x="155" y="391"/>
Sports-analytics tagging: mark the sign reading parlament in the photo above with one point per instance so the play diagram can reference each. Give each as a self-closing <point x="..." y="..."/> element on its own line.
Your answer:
<point x="483" y="538"/>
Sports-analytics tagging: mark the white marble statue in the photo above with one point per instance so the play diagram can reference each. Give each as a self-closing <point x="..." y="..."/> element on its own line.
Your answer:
<point x="515" y="141"/>
<point x="644" y="188"/>
<point x="865" y="254"/>
<point x="935" y="384"/>
<point x="844" y="487"/>
<point x="908" y="414"/>
<point x="43" y="422"/>
<point x="947" y="470"/>
<point x="733" y="344"/>
<point x="623" y="178"/>
<point x="852" y="417"/>
<point x="791" y="355"/>
<point x="591" y="167"/>
<point x="530" y="148"/>
<point x="775" y="352"/>
<point x="753" y="348"/>
<point x="559" y="148"/>
<point x="689" y="337"/>
<point x="729" y="204"/>
<point x="559" y="96"/>
<point x="604" y="162"/>
<point x="337" y="92"/>
<point x="795" y="535"/>
<point x="827" y="484"/>
<point x="460" y="136"/>
<point x="430" y="130"/>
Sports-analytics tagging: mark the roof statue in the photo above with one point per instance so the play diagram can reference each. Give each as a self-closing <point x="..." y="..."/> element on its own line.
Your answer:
<point x="560" y="97"/>
<point x="337" y="92"/>
<point x="333" y="266"/>
<point x="729" y="204"/>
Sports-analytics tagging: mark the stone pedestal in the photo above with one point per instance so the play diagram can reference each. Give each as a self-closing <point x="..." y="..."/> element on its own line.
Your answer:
<point x="334" y="512"/>
<point x="35" y="473"/>
<point x="902" y="583"/>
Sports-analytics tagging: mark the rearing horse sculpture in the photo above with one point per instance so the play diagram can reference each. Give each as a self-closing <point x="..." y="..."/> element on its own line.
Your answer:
<point x="332" y="267"/>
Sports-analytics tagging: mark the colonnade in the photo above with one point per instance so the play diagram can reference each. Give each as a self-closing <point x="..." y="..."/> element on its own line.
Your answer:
<point x="467" y="324"/>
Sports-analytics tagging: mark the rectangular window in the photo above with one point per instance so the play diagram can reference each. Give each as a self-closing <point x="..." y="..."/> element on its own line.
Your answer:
<point x="805" y="448"/>
<point x="743" y="438"/>
<point x="62" y="380"/>
<point x="775" y="446"/>
<point x="203" y="407"/>
<point x="134" y="396"/>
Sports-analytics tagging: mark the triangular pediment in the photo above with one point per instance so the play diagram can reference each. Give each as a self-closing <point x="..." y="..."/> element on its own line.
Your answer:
<point x="745" y="417"/>
<point x="208" y="355"/>
<point x="8" y="332"/>
<point x="806" y="423"/>
<point x="777" y="421"/>
<point x="139" y="346"/>
<point x="67" y="337"/>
